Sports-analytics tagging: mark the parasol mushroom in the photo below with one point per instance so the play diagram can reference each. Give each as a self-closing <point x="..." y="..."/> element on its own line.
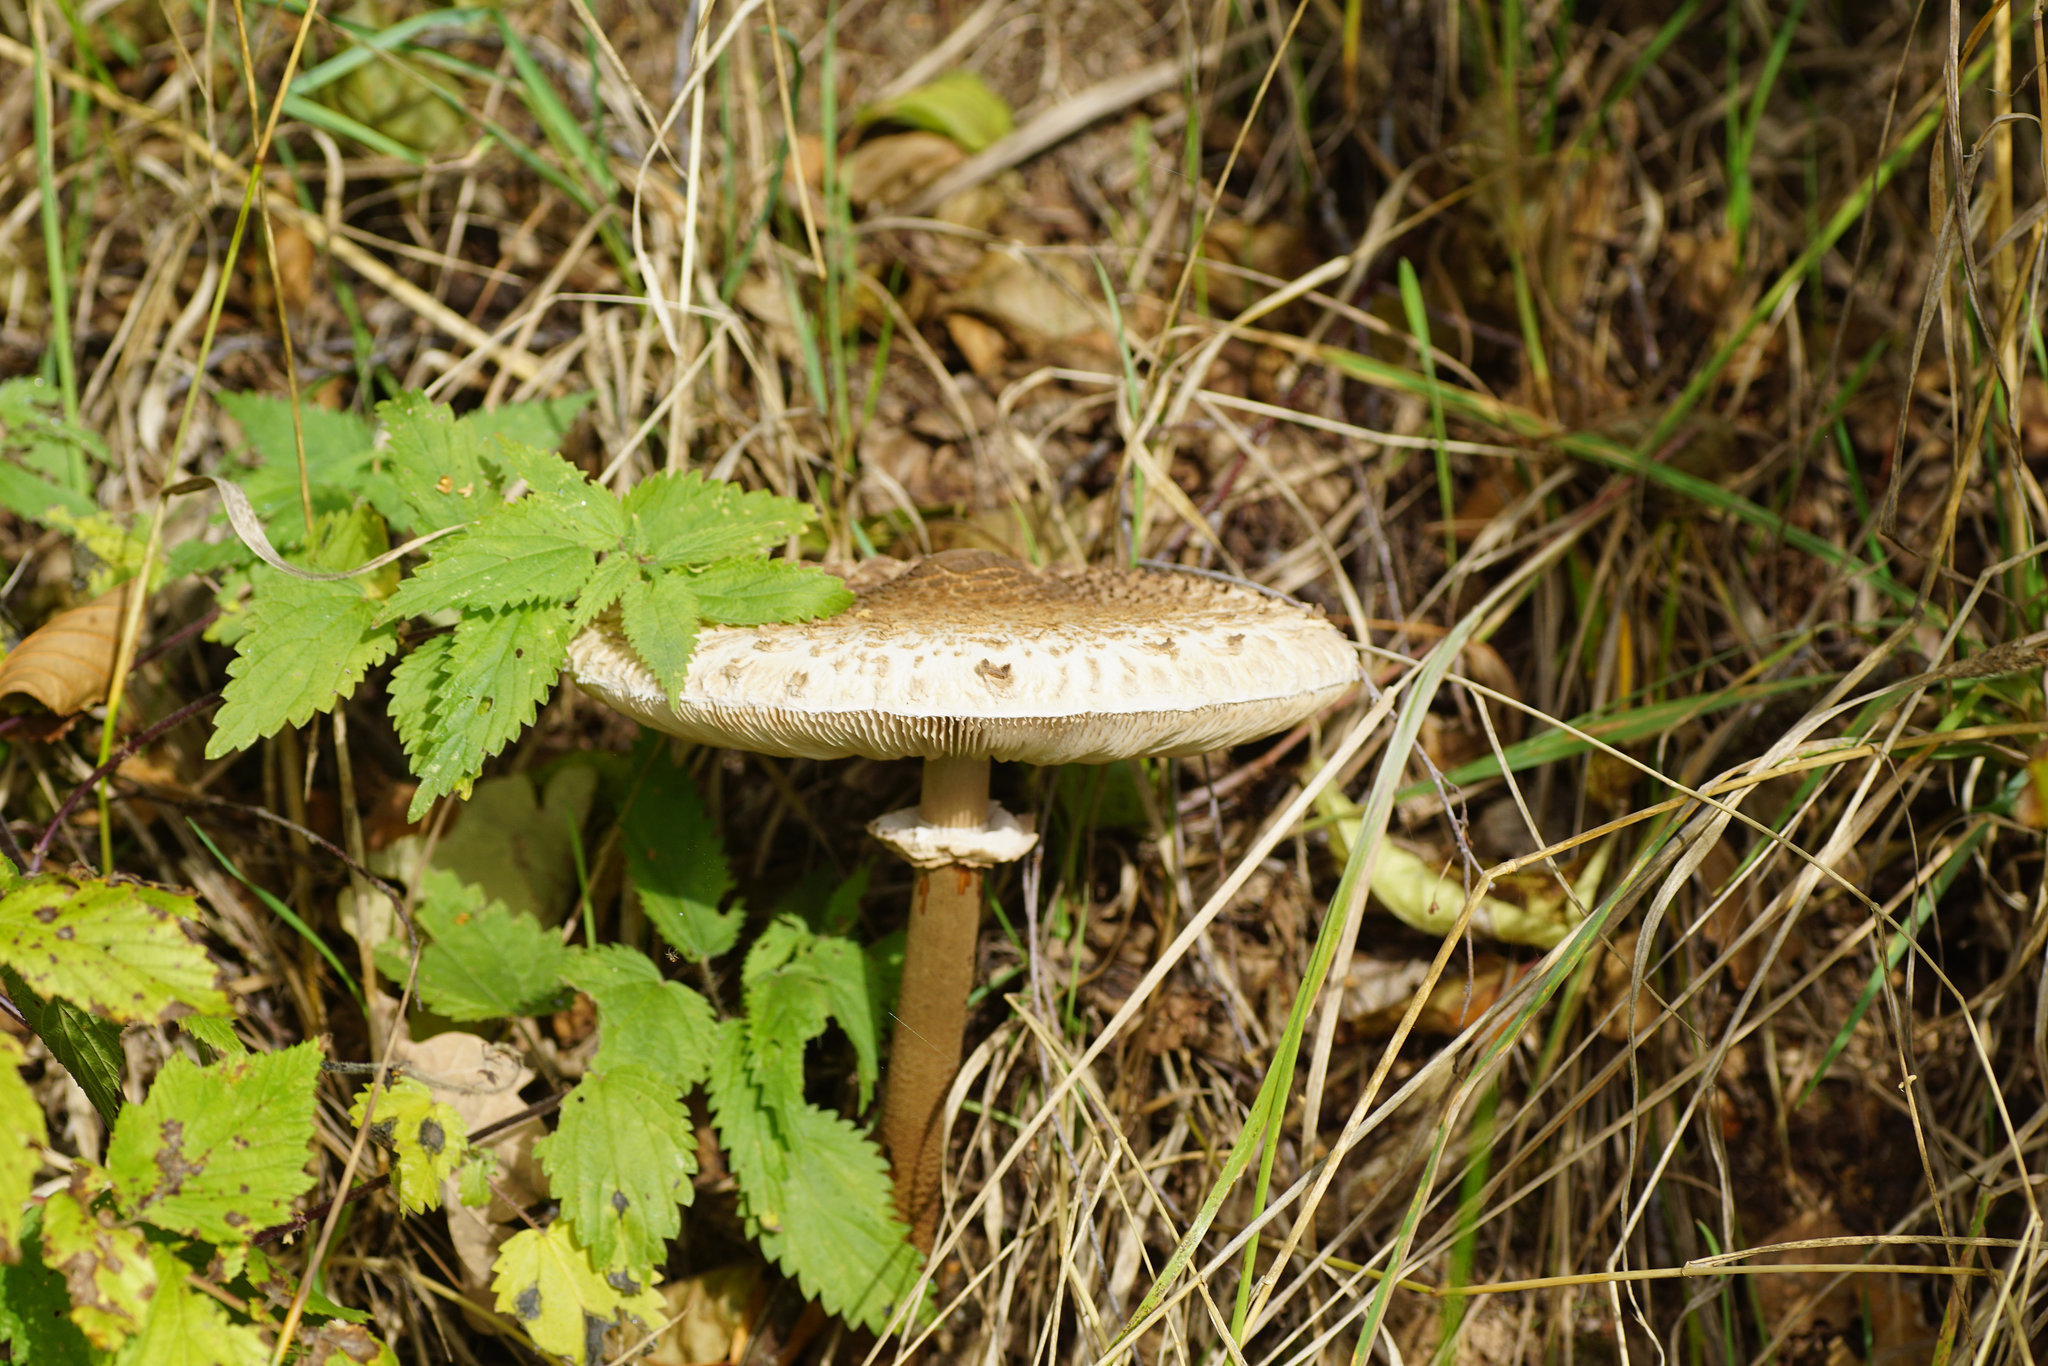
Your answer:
<point x="965" y="658"/>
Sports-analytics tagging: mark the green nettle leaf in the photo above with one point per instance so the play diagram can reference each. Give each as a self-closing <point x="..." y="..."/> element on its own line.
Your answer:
<point x="620" y="1161"/>
<point x="642" y="1020"/>
<point x="688" y="520"/>
<point x="537" y="549"/>
<point x="188" y="1328"/>
<point x="482" y="962"/>
<point x="427" y="1140"/>
<point x="676" y="861"/>
<point x="659" y="616"/>
<point x="106" y="1269"/>
<point x="340" y="447"/>
<point x="814" y="1190"/>
<point x="35" y="1306"/>
<point x="538" y="426"/>
<point x="414" y="695"/>
<point x="437" y="462"/>
<point x="308" y="645"/>
<point x="493" y="679"/>
<point x="119" y="949"/>
<point x="852" y="997"/>
<point x="785" y="1010"/>
<point x="750" y="592"/>
<point x="547" y="1283"/>
<point x="613" y="577"/>
<point x="22" y="1135"/>
<point x="218" y="1152"/>
<point x="88" y="1046"/>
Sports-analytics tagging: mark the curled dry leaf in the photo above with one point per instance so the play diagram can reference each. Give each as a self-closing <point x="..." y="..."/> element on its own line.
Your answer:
<point x="712" y="1315"/>
<point x="1522" y="908"/>
<point x="65" y="663"/>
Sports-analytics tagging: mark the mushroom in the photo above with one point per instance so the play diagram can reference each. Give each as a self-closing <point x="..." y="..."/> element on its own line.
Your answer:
<point x="965" y="658"/>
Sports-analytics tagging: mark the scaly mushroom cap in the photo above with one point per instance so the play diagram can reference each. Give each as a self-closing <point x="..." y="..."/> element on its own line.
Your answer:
<point x="974" y="655"/>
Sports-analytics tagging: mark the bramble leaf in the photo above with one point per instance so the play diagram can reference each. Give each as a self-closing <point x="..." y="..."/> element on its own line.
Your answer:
<point x="537" y="549"/>
<point x="437" y="462"/>
<point x="106" y="1269"/>
<point x="645" y="1021"/>
<point x="187" y="1328"/>
<point x="218" y="1152"/>
<point x="620" y="1161"/>
<point x="308" y="644"/>
<point x="547" y="1283"/>
<point x="493" y="678"/>
<point x="814" y="1190"/>
<point x="481" y="961"/>
<point x="427" y="1140"/>
<point x="118" y="949"/>
<point x="659" y="616"/>
<point x="676" y="861"/>
<point x="22" y="1135"/>
<point x="686" y="519"/>
<point x="749" y="592"/>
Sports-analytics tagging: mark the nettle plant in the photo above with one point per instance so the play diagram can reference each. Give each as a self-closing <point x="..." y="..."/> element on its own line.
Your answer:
<point x="171" y="1240"/>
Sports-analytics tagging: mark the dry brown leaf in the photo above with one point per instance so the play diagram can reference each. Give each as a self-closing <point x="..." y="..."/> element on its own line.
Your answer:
<point x="982" y="345"/>
<point x="481" y="1081"/>
<point x="885" y="171"/>
<point x="714" y="1315"/>
<point x="65" y="663"/>
<point x="1039" y="305"/>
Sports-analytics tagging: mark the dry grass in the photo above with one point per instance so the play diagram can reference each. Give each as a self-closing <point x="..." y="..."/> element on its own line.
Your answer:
<point x="1669" y="388"/>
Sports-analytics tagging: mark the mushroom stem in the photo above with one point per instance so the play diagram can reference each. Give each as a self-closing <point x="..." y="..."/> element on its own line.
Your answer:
<point x="931" y="1010"/>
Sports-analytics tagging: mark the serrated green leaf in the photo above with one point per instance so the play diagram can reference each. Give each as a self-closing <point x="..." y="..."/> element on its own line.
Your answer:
<point x="748" y="592"/>
<point x="35" y="1307"/>
<point x="539" y="424"/>
<point x="437" y="463"/>
<point x="481" y="961"/>
<point x="537" y="549"/>
<point x="31" y="496"/>
<point x="118" y="949"/>
<point x="494" y="677"/>
<point x="88" y="1046"/>
<point x="217" y="1033"/>
<point x="218" y="1152"/>
<point x="676" y="860"/>
<point x="687" y="520"/>
<point x="815" y="1191"/>
<point x="426" y="1138"/>
<point x="340" y="451"/>
<point x="473" y="1183"/>
<point x="620" y="1161"/>
<point x="22" y="1136"/>
<point x="308" y="645"/>
<point x="642" y="1020"/>
<point x="612" y="578"/>
<point x="855" y="1003"/>
<point x="659" y="616"/>
<point x="187" y="1328"/>
<point x="106" y="1269"/>
<point x="547" y="1283"/>
<point x="785" y="1010"/>
<point x="414" y="695"/>
<point x="958" y="105"/>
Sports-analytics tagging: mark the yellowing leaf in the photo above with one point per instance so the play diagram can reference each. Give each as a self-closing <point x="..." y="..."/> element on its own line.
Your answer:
<point x="187" y="1328"/>
<point x="959" y="105"/>
<point x="106" y="1268"/>
<point x="427" y="1140"/>
<point x="22" y="1135"/>
<point x="547" y="1283"/>
<point x="119" y="949"/>
<point x="218" y="1152"/>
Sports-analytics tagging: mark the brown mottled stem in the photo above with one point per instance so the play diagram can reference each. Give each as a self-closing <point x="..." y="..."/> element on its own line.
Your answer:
<point x="931" y="1012"/>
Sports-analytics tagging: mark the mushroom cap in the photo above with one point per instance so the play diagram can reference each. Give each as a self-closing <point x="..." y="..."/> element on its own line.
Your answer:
<point x="972" y="654"/>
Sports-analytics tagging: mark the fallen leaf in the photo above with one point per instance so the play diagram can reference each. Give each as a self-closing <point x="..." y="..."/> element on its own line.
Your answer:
<point x="1039" y="305"/>
<point x="890" y="170"/>
<point x="959" y="105"/>
<point x="481" y="1082"/>
<point x="65" y="663"/>
<point x="982" y="345"/>
<point x="713" y="1316"/>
